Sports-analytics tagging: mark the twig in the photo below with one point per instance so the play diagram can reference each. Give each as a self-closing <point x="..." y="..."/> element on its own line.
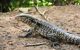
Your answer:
<point x="37" y="44"/>
<point x="42" y="15"/>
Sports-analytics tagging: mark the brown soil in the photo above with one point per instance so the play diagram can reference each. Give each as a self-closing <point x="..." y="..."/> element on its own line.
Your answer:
<point x="65" y="17"/>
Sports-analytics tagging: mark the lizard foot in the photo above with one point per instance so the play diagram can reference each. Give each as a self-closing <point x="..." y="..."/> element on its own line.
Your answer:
<point x="25" y="34"/>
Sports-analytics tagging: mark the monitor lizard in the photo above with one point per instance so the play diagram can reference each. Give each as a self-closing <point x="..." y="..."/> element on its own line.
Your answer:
<point x="46" y="29"/>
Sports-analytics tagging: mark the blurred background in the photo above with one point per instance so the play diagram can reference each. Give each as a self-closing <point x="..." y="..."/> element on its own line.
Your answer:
<point x="9" y="5"/>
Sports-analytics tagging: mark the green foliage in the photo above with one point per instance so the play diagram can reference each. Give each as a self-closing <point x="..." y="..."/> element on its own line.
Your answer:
<point x="30" y="3"/>
<point x="77" y="2"/>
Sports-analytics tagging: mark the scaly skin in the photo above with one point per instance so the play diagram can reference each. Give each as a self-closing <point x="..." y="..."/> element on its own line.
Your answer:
<point x="48" y="30"/>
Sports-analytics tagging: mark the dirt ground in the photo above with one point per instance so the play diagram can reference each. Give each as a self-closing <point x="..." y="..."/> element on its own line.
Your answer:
<point x="65" y="17"/>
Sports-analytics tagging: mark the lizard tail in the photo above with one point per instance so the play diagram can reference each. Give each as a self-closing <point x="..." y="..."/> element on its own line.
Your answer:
<point x="71" y="38"/>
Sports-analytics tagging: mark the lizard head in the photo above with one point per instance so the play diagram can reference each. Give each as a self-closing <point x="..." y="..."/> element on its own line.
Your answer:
<point x="26" y="18"/>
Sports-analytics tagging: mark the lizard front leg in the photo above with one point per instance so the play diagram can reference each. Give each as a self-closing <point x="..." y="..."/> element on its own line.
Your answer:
<point x="26" y="33"/>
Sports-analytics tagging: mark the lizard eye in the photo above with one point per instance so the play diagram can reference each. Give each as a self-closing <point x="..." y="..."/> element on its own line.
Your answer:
<point x="18" y="18"/>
